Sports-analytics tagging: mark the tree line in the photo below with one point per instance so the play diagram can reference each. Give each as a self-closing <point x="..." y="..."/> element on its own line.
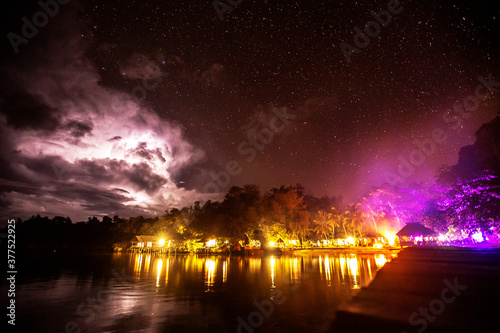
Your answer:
<point x="464" y="200"/>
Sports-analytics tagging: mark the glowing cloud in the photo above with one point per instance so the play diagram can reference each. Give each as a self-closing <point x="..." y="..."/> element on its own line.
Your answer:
<point x="82" y="149"/>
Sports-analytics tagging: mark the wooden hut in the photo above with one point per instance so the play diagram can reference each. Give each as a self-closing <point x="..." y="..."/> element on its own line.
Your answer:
<point x="144" y="243"/>
<point x="416" y="234"/>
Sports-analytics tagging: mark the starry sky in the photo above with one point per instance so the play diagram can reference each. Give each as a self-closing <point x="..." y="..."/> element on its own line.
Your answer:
<point x="131" y="107"/>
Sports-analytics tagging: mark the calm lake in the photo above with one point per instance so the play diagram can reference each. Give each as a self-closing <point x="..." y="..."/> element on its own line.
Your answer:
<point x="124" y="292"/>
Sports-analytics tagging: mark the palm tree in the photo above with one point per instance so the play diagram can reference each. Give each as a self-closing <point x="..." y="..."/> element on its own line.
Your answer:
<point x="345" y="220"/>
<point x="324" y="224"/>
<point x="358" y="223"/>
<point x="352" y="221"/>
<point x="337" y="219"/>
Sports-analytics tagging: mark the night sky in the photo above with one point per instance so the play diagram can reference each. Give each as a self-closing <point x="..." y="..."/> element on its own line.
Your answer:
<point x="127" y="107"/>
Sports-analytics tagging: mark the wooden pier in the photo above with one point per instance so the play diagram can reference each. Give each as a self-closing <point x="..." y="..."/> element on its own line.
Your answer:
<point x="431" y="290"/>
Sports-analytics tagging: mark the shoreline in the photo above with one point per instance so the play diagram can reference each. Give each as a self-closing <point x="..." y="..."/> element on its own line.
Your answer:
<point x="349" y="250"/>
<point x="266" y="252"/>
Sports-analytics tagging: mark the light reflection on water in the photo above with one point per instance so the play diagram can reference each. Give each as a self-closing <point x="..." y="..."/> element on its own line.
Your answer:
<point x="193" y="293"/>
<point x="380" y="260"/>
<point x="159" y="266"/>
<point x="272" y="263"/>
<point x="210" y="273"/>
<point x="224" y="270"/>
<point x="336" y="269"/>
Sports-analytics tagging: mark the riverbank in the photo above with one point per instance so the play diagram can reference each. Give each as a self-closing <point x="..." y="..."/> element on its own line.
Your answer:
<point x="354" y="250"/>
<point x="431" y="289"/>
<point x="257" y="252"/>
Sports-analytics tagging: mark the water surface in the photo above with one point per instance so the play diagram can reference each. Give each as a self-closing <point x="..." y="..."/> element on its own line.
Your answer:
<point x="123" y="292"/>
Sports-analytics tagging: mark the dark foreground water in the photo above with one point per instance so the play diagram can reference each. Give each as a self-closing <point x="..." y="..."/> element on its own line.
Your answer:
<point x="186" y="293"/>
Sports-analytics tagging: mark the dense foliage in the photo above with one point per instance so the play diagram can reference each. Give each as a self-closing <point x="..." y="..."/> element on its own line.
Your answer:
<point x="464" y="201"/>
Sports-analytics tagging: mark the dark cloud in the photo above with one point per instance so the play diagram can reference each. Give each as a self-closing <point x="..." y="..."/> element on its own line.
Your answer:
<point x="142" y="151"/>
<point x="78" y="129"/>
<point x="144" y="179"/>
<point x="26" y="111"/>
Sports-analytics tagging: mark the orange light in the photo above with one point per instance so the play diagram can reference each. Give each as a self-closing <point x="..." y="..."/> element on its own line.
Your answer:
<point x="391" y="238"/>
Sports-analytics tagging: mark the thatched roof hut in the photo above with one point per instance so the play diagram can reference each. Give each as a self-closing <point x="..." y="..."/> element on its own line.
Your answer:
<point x="415" y="229"/>
<point x="416" y="234"/>
<point x="144" y="241"/>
